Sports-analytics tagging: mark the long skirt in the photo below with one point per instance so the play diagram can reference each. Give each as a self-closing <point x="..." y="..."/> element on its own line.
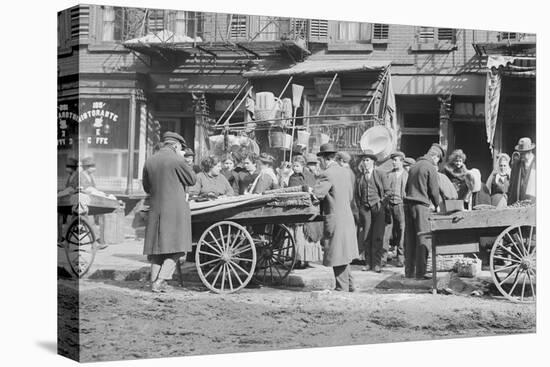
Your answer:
<point x="306" y="250"/>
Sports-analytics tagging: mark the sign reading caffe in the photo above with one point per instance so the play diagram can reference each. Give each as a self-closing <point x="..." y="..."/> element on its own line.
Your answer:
<point x="96" y="124"/>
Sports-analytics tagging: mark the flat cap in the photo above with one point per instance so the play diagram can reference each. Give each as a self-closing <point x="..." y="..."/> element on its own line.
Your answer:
<point x="438" y="148"/>
<point x="398" y="154"/>
<point x="172" y="136"/>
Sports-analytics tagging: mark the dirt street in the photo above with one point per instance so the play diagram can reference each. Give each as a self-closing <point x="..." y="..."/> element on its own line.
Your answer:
<point x="124" y="320"/>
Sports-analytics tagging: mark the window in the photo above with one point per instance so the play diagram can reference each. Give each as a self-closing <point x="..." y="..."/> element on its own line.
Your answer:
<point x="380" y="31"/>
<point x="155" y="21"/>
<point x="431" y="35"/>
<point x="351" y="32"/>
<point x="298" y="28"/>
<point x="508" y="36"/>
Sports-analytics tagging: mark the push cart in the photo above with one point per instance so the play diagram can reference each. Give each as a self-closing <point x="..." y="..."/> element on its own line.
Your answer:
<point x="249" y="238"/>
<point x="512" y="259"/>
<point x="79" y="239"/>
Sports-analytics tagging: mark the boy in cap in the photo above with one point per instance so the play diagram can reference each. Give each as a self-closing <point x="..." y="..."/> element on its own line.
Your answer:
<point x="421" y="190"/>
<point x="397" y="180"/>
<point x="407" y="163"/>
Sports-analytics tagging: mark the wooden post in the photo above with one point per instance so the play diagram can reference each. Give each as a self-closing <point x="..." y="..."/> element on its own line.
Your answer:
<point x="131" y="148"/>
<point x="434" y="264"/>
<point x="444" y="117"/>
<point x="327" y="93"/>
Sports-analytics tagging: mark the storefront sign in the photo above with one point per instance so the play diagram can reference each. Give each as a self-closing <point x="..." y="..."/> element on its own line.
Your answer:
<point x="322" y="85"/>
<point x="67" y="124"/>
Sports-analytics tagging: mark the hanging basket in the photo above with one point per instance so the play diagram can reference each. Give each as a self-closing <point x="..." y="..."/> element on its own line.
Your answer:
<point x="287" y="144"/>
<point x="302" y="138"/>
<point x="276" y="139"/>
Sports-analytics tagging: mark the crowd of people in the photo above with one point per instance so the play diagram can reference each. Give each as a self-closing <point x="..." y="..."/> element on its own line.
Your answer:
<point x="367" y="210"/>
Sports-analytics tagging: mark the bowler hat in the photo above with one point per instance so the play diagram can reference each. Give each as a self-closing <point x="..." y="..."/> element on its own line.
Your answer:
<point x="439" y="149"/>
<point x="525" y="145"/>
<point x="327" y="148"/>
<point x="188" y="152"/>
<point x="311" y="158"/>
<point x="172" y="136"/>
<point x="266" y="158"/>
<point x="88" y="162"/>
<point x="72" y="163"/>
<point x="408" y="161"/>
<point x="398" y="154"/>
<point x="368" y="153"/>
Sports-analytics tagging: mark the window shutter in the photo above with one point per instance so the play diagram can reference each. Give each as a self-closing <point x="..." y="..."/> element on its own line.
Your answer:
<point x="318" y="30"/>
<point x="380" y="31"/>
<point x="155" y="21"/>
<point x="238" y="26"/>
<point x="63" y="28"/>
<point x="426" y="34"/>
<point x="80" y="22"/>
<point x="446" y="34"/>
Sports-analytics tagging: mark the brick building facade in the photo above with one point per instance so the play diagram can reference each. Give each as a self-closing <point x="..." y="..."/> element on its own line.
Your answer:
<point x="186" y="78"/>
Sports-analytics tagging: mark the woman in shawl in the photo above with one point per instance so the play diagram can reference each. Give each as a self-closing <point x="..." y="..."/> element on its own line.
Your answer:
<point x="306" y="236"/>
<point x="456" y="170"/>
<point x="499" y="181"/>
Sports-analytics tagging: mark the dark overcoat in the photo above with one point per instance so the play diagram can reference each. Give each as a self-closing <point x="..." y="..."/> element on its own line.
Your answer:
<point x="335" y="189"/>
<point x="166" y="177"/>
<point x="517" y="192"/>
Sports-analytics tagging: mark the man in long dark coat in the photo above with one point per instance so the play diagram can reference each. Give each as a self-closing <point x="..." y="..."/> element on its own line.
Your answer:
<point x="522" y="177"/>
<point x="335" y="190"/>
<point x="166" y="177"/>
<point x="422" y="189"/>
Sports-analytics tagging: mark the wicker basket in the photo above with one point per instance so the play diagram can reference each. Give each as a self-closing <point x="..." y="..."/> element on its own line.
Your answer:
<point x="443" y="262"/>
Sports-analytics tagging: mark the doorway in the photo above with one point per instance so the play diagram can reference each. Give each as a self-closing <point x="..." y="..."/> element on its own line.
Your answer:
<point x="470" y="136"/>
<point x="185" y="126"/>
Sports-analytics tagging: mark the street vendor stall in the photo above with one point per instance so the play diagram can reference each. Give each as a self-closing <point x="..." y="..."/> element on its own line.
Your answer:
<point x="513" y="253"/>
<point x="80" y="238"/>
<point x="244" y="238"/>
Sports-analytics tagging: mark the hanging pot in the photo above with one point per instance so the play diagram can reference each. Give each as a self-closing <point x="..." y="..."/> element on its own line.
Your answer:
<point x="276" y="139"/>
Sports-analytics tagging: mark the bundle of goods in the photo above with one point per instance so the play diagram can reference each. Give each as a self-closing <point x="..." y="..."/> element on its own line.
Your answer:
<point x="237" y="145"/>
<point x="484" y="207"/>
<point x="522" y="204"/>
<point x="468" y="267"/>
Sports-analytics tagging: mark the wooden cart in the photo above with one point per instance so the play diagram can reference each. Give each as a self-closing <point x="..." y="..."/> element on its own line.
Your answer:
<point x="513" y="254"/>
<point x="248" y="242"/>
<point x="79" y="239"/>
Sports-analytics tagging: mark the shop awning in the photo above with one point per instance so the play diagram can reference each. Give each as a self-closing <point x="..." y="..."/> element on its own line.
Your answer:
<point x="311" y="67"/>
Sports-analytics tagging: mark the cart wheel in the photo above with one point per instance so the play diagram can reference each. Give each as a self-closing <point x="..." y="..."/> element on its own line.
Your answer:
<point x="513" y="263"/>
<point x="225" y="257"/>
<point x="276" y="253"/>
<point x="80" y="246"/>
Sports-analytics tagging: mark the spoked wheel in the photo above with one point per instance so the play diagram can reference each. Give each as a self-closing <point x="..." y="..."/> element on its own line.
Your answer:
<point x="276" y="253"/>
<point x="80" y="246"/>
<point x="513" y="263"/>
<point x="225" y="257"/>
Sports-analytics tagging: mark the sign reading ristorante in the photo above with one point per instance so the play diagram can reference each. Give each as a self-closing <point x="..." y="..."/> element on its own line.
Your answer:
<point x="96" y="123"/>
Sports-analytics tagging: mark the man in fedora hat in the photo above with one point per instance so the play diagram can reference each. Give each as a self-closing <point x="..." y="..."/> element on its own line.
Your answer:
<point x="71" y="168"/>
<point x="166" y="178"/>
<point x="87" y="174"/>
<point x="397" y="180"/>
<point x="371" y="192"/>
<point x="335" y="191"/>
<point x="421" y="190"/>
<point x="522" y="176"/>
